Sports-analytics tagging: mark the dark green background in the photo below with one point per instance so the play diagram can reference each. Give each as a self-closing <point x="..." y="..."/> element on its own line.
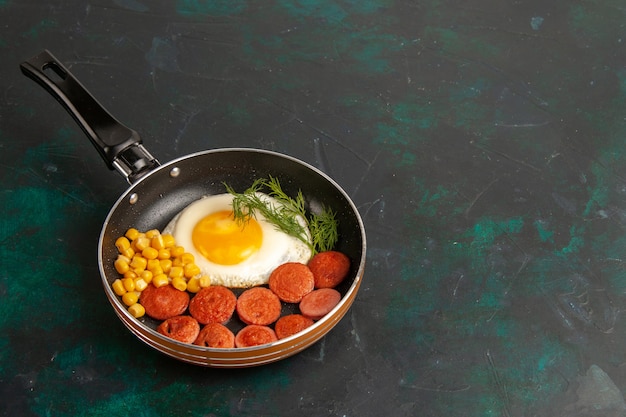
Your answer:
<point x="483" y="143"/>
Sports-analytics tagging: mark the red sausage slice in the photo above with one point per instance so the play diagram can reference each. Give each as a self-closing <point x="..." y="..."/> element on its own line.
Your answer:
<point x="182" y="328"/>
<point x="254" y="335"/>
<point x="291" y="281"/>
<point x="164" y="302"/>
<point x="329" y="268"/>
<point x="318" y="303"/>
<point x="215" y="335"/>
<point x="291" y="324"/>
<point x="215" y="304"/>
<point x="258" y="305"/>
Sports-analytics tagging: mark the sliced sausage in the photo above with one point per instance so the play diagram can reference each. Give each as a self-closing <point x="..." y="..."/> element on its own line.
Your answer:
<point x="182" y="328"/>
<point x="163" y="302"/>
<point x="329" y="268"/>
<point x="254" y="335"/>
<point x="258" y="305"/>
<point x="318" y="303"/>
<point x="291" y="281"/>
<point x="215" y="335"/>
<point x="291" y="324"/>
<point x="214" y="304"/>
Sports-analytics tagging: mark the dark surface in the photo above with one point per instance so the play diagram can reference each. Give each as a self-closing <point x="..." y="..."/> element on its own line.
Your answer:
<point x="483" y="143"/>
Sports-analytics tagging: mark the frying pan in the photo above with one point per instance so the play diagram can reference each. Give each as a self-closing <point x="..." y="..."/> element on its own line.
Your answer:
<point x="158" y="192"/>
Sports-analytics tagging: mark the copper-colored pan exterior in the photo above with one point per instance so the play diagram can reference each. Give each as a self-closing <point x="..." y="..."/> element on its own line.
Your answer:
<point x="156" y="198"/>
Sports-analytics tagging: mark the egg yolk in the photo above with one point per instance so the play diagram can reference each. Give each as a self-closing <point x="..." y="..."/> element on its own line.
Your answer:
<point x="222" y="240"/>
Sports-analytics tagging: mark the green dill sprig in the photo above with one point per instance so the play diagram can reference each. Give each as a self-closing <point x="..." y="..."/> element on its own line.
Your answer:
<point x="321" y="227"/>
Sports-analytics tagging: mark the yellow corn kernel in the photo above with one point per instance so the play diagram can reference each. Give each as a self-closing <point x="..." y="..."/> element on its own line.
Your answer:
<point x="150" y="253"/>
<point x="137" y="310"/>
<point x="152" y="233"/>
<point x="140" y="284"/>
<point x="130" y="298"/>
<point x="164" y="254"/>
<point x="138" y="262"/>
<point x="157" y="270"/>
<point x="141" y="243"/>
<point x="129" y="253"/>
<point x="130" y="274"/>
<point x="168" y="240"/>
<point x="177" y="251"/>
<point x="129" y="284"/>
<point x="121" y="264"/>
<point x="118" y="287"/>
<point x="166" y="265"/>
<point x="187" y="258"/>
<point x="146" y="276"/>
<point x="157" y="242"/>
<point x="133" y="243"/>
<point x="176" y="272"/>
<point x="122" y="244"/>
<point x="152" y="263"/>
<point x="179" y="283"/>
<point x="193" y="285"/>
<point x="191" y="270"/>
<point x="205" y="281"/>
<point x="160" y="280"/>
<point x="177" y="261"/>
<point x="124" y="258"/>
<point x="132" y="233"/>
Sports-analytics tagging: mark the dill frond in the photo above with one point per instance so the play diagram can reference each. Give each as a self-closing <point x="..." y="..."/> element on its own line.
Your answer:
<point x="322" y="227"/>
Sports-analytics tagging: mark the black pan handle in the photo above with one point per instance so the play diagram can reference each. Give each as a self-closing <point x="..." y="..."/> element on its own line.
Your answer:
<point x="120" y="147"/>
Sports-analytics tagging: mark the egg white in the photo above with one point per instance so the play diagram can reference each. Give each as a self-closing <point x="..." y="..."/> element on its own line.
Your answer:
<point x="276" y="248"/>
